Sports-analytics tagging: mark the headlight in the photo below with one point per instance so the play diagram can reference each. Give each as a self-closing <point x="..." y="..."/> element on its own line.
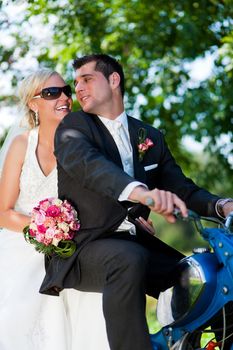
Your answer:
<point x="192" y="292"/>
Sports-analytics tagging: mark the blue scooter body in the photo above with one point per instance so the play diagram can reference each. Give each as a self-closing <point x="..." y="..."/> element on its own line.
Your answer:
<point x="216" y="271"/>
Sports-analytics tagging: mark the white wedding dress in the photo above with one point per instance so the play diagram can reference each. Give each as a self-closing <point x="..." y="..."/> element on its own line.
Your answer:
<point x="28" y="319"/>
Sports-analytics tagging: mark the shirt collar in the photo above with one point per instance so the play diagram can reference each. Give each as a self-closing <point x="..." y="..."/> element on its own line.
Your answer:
<point x="122" y="118"/>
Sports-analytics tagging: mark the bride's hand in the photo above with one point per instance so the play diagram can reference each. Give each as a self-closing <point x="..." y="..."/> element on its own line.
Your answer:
<point x="147" y="225"/>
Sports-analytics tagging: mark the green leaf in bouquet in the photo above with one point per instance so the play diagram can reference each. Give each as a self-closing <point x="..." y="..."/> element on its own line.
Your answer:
<point x="65" y="249"/>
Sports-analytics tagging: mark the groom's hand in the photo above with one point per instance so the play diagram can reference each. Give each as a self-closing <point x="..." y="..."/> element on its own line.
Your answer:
<point x="159" y="201"/>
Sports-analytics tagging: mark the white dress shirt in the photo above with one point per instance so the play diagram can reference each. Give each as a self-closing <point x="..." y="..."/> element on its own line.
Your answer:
<point x="118" y="128"/>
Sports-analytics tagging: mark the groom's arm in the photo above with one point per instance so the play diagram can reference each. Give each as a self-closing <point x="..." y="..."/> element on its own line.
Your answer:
<point x="81" y="158"/>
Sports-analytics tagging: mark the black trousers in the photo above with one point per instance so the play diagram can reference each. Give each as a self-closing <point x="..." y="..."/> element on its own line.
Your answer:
<point x="125" y="268"/>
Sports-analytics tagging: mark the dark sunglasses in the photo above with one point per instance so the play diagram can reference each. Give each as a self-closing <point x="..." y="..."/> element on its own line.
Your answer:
<point x="52" y="93"/>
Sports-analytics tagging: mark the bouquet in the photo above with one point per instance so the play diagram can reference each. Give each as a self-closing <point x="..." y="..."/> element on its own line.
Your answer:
<point x="53" y="225"/>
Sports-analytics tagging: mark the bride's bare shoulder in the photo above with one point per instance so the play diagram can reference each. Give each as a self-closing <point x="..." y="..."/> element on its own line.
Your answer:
<point x="15" y="157"/>
<point x="21" y="140"/>
<point x="19" y="145"/>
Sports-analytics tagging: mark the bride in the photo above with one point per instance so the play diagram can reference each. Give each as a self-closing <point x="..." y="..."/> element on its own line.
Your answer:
<point x="29" y="320"/>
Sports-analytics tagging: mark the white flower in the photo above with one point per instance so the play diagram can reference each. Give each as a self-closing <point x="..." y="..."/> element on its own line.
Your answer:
<point x="64" y="226"/>
<point x="55" y="241"/>
<point x="33" y="226"/>
<point x="57" y="202"/>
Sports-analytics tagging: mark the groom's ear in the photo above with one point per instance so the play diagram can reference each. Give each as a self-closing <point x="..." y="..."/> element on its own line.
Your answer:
<point x="114" y="80"/>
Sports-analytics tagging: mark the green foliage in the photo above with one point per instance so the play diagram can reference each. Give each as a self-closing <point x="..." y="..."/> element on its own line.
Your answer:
<point x="155" y="41"/>
<point x="2" y="138"/>
<point x="182" y="235"/>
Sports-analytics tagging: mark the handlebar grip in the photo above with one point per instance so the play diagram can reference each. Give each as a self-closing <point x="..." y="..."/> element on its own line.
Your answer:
<point x="176" y="212"/>
<point x="229" y="221"/>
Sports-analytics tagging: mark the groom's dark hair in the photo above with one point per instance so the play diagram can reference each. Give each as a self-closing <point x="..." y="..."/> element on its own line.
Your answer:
<point x="104" y="64"/>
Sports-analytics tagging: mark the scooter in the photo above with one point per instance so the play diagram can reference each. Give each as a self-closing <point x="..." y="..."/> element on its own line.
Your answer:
<point x="204" y="287"/>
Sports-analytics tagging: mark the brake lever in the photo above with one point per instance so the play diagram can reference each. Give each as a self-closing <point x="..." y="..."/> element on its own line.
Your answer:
<point x="176" y="212"/>
<point x="192" y="216"/>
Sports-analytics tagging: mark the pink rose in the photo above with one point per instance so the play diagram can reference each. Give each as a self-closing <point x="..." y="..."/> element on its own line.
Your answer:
<point x="47" y="200"/>
<point x="69" y="217"/>
<point x="71" y="235"/>
<point x="41" y="228"/>
<point x="67" y="205"/>
<point x="49" y="222"/>
<point x="53" y="211"/>
<point x="32" y="233"/>
<point x="44" y="204"/>
<point x="39" y="218"/>
<point x="59" y="235"/>
<point x="149" y="142"/>
<point x="40" y="237"/>
<point x="143" y="147"/>
<point x="74" y="225"/>
<point x="50" y="232"/>
<point x="47" y="241"/>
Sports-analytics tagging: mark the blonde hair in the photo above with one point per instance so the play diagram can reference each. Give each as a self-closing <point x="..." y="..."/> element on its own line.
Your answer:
<point x="30" y="86"/>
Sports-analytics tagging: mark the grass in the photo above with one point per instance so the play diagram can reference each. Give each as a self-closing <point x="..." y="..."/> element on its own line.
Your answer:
<point x="153" y="324"/>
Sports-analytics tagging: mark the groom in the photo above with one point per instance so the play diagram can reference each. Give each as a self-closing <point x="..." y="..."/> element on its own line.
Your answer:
<point x="112" y="167"/>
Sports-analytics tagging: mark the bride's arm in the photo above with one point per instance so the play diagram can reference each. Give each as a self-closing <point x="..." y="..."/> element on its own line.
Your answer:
<point x="9" y="185"/>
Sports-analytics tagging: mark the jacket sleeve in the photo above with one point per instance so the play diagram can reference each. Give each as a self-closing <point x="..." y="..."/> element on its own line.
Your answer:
<point x="174" y="180"/>
<point x="81" y="158"/>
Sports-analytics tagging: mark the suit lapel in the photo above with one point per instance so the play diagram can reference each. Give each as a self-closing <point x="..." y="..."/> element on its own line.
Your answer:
<point x="107" y="141"/>
<point x="139" y="172"/>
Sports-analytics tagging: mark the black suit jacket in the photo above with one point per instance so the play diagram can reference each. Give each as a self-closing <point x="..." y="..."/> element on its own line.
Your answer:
<point x="91" y="177"/>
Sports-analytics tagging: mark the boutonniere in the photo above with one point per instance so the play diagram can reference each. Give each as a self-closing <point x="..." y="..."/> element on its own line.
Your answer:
<point x="144" y="143"/>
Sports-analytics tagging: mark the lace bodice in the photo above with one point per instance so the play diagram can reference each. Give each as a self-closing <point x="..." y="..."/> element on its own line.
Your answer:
<point x="34" y="185"/>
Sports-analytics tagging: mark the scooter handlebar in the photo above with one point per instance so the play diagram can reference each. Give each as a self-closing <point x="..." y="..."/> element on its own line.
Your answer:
<point x="192" y="215"/>
<point x="229" y="221"/>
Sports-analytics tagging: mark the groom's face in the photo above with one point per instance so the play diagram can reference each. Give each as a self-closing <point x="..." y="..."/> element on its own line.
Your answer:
<point x="93" y="90"/>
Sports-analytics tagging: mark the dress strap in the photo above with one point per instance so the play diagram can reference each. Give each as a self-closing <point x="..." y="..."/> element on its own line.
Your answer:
<point x="32" y="143"/>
